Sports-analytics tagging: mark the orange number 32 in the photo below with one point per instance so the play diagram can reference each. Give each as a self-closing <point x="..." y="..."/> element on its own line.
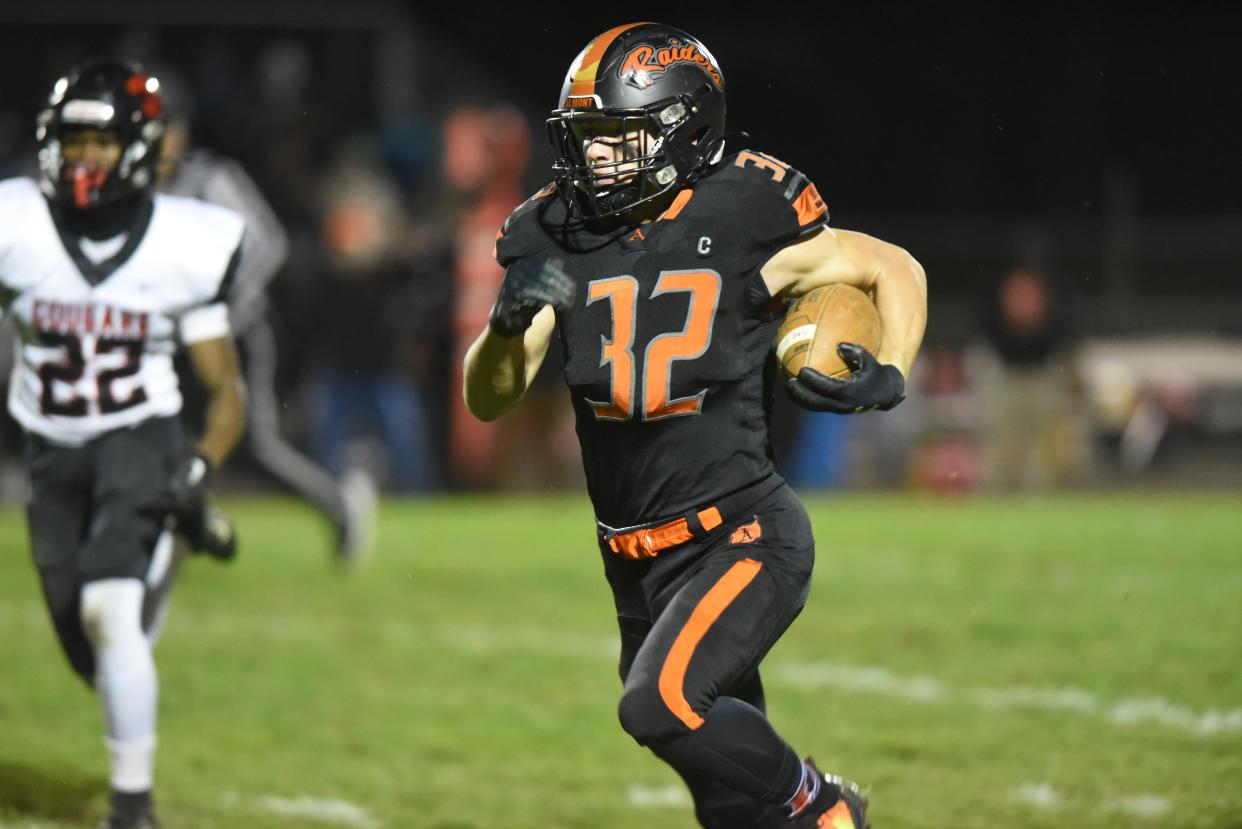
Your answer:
<point x="688" y="344"/>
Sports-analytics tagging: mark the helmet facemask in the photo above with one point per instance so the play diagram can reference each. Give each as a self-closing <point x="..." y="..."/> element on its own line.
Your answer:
<point x="665" y="146"/>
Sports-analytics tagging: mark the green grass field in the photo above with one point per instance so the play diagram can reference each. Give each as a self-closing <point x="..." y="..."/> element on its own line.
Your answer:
<point x="976" y="663"/>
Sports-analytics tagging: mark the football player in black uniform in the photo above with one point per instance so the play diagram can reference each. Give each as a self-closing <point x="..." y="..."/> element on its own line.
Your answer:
<point x="661" y="262"/>
<point x="105" y="282"/>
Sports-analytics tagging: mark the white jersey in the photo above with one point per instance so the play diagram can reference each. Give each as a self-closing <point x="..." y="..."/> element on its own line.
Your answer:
<point x="97" y="352"/>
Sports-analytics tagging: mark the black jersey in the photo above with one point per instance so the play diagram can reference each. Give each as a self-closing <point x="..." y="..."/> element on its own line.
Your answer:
<point x="667" y="344"/>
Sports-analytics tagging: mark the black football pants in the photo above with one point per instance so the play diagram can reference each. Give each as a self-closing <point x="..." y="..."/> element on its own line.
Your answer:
<point x="87" y="517"/>
<point x="695" y="623"/>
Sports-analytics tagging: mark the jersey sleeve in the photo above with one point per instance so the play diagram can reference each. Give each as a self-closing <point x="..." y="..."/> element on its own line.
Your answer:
<point x="211" y="249"/>
<point x="210" y="321"/>
<point x="206" y="322"/>
<point x="776" y="203"/>
<point x="522" y="234"/>
<point x="18" y="199"/>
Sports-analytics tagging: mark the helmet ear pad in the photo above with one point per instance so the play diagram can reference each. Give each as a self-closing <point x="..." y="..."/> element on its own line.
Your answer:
<point x="689" y="145"/>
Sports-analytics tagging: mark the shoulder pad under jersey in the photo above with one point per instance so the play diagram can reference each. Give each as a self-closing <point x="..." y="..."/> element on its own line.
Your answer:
<point x="208" y="238"/>
<point x="523" y="233"/>
<point x="774" y="203"/>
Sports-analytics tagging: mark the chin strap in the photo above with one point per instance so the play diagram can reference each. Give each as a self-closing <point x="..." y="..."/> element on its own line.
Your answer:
<point x="618" y="199"/>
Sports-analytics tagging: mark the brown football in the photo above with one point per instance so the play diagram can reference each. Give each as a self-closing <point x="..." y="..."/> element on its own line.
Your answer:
<point x="820" y="320"/>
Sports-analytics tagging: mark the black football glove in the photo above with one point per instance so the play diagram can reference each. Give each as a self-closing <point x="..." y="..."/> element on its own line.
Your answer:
<point x="529" y="285"/>
<point x="184" y="506"/>
<point x="209" y="531"/>
<point x="869" y="385"/>
<point x="185" y="492"/>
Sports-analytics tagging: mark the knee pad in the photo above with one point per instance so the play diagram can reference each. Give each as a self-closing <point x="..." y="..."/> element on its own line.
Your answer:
<point x="112" y="610"/>
<point x="646" y="717"/>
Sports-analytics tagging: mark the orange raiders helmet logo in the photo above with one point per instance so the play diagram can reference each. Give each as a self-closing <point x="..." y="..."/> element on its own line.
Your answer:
<point x="645" y="62"/>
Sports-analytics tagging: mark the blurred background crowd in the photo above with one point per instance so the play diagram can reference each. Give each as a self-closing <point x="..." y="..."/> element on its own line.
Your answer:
<point x="1069" y="179"/>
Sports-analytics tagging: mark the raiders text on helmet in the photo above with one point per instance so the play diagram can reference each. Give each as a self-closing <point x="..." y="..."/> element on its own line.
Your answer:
<point x="638" y="78"/>
<point x="111" y="96"/>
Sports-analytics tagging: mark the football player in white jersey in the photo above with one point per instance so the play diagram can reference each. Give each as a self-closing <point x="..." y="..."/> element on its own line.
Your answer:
<point x="104" y="281"/>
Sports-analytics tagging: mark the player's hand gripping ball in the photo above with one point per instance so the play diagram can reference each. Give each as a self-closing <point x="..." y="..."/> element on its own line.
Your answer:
<point x="826" y="348"/>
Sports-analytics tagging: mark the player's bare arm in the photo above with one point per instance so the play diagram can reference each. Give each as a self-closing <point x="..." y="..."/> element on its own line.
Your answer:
<point x="506" y="356"/>
<point x="498" y="369"/>
<point x="893" y="278"/>
<point x="215" y="360"/>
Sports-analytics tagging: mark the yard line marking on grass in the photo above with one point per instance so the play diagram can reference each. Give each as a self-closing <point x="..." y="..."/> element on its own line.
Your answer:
<point x="24" y="614"/>
<point x="320" y="809"/>
<point x="882" y="681"/>
<point x="1043" y="796"/>
<point x="658" y="797"/>
<point x="858" y="678"/>
<point x="923" y="689"/>
<point x="1140" y="805"/>
<point x="1039" y="795"/>
<point x="1161" y="710"/>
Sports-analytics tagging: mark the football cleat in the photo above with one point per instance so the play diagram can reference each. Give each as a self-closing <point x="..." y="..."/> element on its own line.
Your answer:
<point x="117" y="821"/>
<point x="840" y="804"/>
<point x="130" y="811"/>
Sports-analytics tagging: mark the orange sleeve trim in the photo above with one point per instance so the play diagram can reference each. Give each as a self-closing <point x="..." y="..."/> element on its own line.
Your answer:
<point x="679" y="204"/>
<point x="588" y="67"/>
<point x="809" y="206"/>
<point x="710" y="607"/>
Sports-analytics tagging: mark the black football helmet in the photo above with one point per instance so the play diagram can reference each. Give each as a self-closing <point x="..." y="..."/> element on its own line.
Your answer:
<point x="640" y="76"/>
<point x="111" y="96"/>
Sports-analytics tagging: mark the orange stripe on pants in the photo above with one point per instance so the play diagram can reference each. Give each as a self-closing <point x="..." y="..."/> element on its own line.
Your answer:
<point x="708" y="610"/>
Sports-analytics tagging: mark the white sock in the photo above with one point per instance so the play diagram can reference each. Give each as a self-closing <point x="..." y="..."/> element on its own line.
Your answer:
<point x="133" y="764"/>
<point x="125" y="678"/>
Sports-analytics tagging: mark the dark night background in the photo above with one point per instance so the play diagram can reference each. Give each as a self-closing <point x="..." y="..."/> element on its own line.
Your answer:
<point x="943" y="107"/>
<point x="1099" y="142"/>
<point x="941" y="125"/>
<point x="948" y="127"/>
